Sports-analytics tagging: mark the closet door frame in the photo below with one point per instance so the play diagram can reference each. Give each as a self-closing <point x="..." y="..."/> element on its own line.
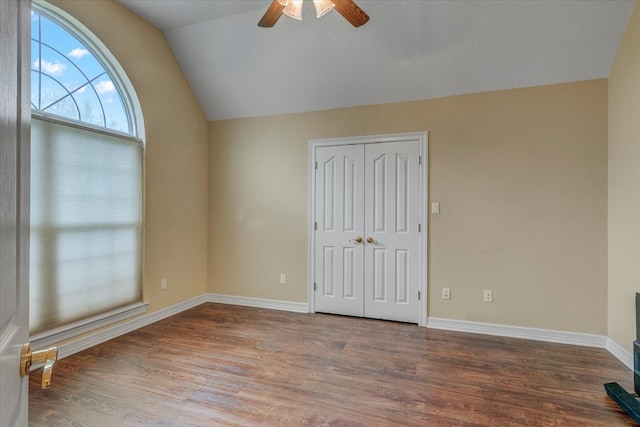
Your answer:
<point x="422" y="138"/>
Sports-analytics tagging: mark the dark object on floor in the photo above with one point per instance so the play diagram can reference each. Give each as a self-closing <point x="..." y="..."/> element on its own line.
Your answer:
<point x="628" y="402"/>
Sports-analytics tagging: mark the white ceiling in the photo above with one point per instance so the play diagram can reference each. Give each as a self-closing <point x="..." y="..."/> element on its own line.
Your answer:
<point x="408" y="50"/>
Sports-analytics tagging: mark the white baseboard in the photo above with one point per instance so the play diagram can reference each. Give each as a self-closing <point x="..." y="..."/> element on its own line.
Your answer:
<point x="548" y="335"/>
<point x="618" y="351"/>
<point x="90" y="340"/>
<point x="562" y="337"/>
<point x="83" y="343"/>
<point x="297" y="307"/>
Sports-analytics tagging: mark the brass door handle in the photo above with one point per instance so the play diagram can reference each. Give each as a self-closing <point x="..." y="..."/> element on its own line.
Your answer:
<point x="357" y="240"/>
<point x="370" y="240"/>
<point x="47" y="357"/>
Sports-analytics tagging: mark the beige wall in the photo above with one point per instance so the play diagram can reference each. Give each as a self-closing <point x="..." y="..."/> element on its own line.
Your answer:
<point x="624" y="185"/>
<point x="176" y="151"/>
<point x="521" y="176"/>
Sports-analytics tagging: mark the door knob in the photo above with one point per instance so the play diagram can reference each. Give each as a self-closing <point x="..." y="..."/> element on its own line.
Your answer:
<point x="29" y="358"/>
<point x="357" y="240"/>
<point x="370" y="240"/>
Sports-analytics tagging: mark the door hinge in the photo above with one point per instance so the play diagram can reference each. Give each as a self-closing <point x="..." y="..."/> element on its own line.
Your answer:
<point x="419" y="160"/>
<point x="418" y="295"/>
<point x="315" y="287"/>
<point x="419" y="228"/>
<point x="316" y="165"/>
<point x="315" y="225"/>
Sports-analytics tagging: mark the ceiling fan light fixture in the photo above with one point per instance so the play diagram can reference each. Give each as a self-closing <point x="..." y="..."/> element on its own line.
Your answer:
<point x="293" y="9"/>
<point x="322" y="7"/>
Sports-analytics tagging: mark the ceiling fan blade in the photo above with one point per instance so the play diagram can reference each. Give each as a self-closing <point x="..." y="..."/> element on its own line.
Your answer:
<point x="351" y="12"/>
<point x="272" y="15"/>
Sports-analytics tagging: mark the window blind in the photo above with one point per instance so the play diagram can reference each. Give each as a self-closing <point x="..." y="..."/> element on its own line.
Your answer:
<point x="86" y="223"/>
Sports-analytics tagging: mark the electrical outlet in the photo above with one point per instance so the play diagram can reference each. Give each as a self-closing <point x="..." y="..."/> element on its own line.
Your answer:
<point x="163" y="284"/>
<point x="283" y="279"/>
<point x="446" y="293"/>
<point x="488" y="295"/>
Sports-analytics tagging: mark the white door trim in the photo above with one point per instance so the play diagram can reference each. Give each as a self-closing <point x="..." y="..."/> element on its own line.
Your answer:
<point x="423" y="139"/>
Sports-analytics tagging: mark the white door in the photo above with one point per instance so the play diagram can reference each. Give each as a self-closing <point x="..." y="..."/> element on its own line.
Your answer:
<point x="367" y="199"/>
<point x="339" y="261"/>
<point x="391" y="276"/>
<point x="14" y="207"/>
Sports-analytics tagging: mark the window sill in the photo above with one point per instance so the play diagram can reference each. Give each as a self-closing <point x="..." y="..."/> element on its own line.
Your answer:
<point x="54" y="336"/>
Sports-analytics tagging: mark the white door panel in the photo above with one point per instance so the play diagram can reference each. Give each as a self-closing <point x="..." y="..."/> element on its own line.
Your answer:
<point x="392" y="174"/>
<point x="339" y="220"/>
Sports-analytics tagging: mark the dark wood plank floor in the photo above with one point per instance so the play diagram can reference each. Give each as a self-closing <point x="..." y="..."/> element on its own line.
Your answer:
<point x="229" y="365"/>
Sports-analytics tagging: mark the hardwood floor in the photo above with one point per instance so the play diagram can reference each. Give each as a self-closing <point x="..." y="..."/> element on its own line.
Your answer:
<point x="229" y="365"/>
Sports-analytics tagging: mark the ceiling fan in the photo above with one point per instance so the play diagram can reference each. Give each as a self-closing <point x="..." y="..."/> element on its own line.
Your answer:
<point x="347" y="8"/>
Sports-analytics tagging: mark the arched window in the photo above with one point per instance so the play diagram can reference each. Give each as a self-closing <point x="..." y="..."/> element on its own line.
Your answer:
<point x="70" y="79"/>
<point x="86" y="180"/>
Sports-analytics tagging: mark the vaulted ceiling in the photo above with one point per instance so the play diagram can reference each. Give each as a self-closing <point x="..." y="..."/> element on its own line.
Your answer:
<point x="408" y="50"/>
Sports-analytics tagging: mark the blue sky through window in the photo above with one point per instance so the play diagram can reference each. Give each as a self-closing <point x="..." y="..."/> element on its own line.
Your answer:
<point x="68" y="80"/>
